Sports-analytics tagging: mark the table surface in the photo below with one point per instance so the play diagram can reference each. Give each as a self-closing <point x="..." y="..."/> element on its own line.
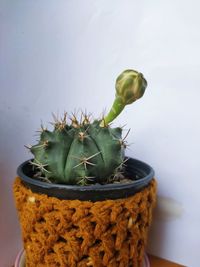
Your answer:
<point x="158" y="262"/>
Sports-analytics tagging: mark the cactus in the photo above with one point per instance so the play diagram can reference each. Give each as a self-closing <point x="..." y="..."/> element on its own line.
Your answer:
<point x="85" y="152"/>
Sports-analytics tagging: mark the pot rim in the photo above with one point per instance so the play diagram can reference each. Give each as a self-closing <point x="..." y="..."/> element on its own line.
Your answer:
<point x="82" y="187"/>
<point x="90" y="192"/>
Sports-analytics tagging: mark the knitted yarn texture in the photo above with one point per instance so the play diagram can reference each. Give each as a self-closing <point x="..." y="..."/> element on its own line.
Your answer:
<point x="73" y="233"/>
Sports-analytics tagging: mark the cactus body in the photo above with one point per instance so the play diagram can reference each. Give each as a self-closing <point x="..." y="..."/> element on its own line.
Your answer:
<point x="78" y="153"/>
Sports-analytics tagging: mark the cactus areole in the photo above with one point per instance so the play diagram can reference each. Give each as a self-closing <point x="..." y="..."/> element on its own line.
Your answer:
<point x="84" y="152"/>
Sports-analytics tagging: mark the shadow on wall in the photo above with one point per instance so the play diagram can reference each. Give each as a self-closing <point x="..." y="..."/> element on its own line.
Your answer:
<point x="167" y="209"/>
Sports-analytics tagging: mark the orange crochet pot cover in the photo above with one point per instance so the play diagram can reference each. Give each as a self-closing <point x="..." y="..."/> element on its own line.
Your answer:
<point x="74" y="233"/>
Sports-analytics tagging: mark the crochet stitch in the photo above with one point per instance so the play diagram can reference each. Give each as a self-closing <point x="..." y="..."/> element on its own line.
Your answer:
<point x="73" y="233"/>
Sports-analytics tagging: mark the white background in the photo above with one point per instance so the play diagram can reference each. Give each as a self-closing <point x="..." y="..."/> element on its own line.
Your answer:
<point x="62" y="55"/>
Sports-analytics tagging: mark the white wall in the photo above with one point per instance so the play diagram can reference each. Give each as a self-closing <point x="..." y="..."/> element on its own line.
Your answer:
<point x="62" y="55"/>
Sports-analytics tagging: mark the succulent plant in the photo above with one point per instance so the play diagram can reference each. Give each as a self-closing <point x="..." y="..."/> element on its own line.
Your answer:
<point x="84" y="152"/>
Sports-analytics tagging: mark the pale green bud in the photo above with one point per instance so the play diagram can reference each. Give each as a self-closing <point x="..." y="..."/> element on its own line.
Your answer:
<point x="130" y="86"/>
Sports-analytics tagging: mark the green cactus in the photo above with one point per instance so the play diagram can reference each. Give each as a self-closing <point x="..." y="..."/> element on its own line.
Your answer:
<point x="86" y="152"/>
<point x="78" y="153"/>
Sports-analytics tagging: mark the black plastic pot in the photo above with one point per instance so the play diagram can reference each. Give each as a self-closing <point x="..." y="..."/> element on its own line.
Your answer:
<point x="97" y="192"/>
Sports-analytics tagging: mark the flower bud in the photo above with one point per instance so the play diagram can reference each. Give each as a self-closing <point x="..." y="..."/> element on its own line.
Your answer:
<point x="130" y="86"/>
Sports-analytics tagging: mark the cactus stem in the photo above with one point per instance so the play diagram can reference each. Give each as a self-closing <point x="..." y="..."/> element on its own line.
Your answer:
<point x="116" y="109"/>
